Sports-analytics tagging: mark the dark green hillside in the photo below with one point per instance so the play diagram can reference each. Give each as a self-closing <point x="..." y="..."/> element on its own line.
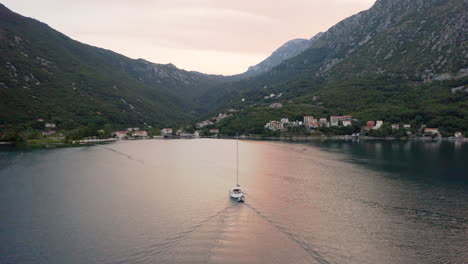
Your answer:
<point x="397" y="61"/>
<point x="45" y="74"/>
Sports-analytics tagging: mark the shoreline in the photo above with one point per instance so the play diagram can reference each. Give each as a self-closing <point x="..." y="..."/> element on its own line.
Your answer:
<point x="90" y="142"/>
<point x="306" y="138"/>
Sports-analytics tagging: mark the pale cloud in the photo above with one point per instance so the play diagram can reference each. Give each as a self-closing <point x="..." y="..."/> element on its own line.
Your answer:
<point x="213" y="36"/>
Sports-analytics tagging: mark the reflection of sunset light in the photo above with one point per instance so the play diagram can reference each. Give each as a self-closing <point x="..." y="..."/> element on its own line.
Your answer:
<point x="167" y="201"/>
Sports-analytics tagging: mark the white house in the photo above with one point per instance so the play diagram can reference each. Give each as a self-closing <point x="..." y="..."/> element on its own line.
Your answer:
<point x="274" y="125"/>
<point x="284" y="120"/>
<point x="346" y="123"/>
<point x="395" y="126"/>
<point x="378" y="124"/>
<point x="166" y="131"/>
<point x="458" y="134"/>
<point x="214" y="131"/>
<point x="50" y="125"/>
<point x="406" y="126"/>
<point x="323" y="121"/>
<point x="334" y="120"/>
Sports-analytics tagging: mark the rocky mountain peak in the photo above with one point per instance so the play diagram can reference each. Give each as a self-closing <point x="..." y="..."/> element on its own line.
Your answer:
<point x="288" y="50"/>
<point x="384" y="37"/>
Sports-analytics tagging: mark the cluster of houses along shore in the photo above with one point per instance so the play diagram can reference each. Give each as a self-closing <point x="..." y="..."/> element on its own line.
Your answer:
<point x="136" y="133"/>
<point x="131" y="132"/>
<point x="168" y="132"/>
<point x="310" y="122"/>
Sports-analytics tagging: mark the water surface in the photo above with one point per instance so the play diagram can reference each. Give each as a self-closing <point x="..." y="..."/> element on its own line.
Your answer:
<point x="166" y="201"/>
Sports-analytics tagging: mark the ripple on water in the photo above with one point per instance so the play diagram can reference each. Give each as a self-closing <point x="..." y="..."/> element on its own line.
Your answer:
<point x="239" y="235"/>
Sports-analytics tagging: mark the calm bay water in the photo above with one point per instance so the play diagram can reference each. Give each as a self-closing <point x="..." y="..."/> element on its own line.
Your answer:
<point x="166" y="201"/>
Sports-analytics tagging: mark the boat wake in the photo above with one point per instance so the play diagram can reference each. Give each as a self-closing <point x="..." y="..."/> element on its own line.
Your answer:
<point x="122" y="154"/>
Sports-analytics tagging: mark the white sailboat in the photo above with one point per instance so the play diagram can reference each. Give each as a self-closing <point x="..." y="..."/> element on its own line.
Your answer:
<point x="236" y="192"/>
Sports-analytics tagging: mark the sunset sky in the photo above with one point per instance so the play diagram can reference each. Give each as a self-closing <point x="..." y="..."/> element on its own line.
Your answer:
<point x="210" y="36"/>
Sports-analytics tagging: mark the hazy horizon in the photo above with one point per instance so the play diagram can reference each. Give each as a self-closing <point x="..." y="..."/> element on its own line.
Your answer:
<point x="215" y="37"/>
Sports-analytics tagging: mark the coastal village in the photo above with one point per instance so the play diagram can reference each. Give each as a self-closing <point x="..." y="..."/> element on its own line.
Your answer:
<point x="213" y="127"/>
<point x="312" y="123"/>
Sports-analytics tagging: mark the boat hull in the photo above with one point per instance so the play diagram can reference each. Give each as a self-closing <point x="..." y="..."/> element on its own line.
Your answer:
<point x="236" y="195"/>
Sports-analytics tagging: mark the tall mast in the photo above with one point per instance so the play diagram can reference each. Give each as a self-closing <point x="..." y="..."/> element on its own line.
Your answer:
<point x="237" y="158"/>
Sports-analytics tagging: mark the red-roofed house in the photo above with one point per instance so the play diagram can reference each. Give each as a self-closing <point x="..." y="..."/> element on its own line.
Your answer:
<point x="120" y="134"/>
<point x="345" y="117"/>
<point x="140" y="133"/>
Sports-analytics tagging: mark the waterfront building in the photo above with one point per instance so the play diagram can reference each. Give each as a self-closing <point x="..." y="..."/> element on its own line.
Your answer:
<point x="166" y="131"/>
<point x="378" y="124"/>
<point x="334" y="120"/>
<point x="346" y="123"/>
<point x="274" y="125"/>
<point x="323" y="121"/>
<point x="140" y="134"/>
<point x="431" y="131"/>
<point x="308" y="119"/>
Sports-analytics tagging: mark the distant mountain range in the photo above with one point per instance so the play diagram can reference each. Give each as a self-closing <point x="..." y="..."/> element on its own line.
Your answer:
<point x="400" y="60"/>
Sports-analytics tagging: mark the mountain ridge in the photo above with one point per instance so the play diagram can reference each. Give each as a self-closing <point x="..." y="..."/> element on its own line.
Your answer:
<point x="45" y="73"/>
<point x="286" y="51"/>
<point x="397" y="60"/>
